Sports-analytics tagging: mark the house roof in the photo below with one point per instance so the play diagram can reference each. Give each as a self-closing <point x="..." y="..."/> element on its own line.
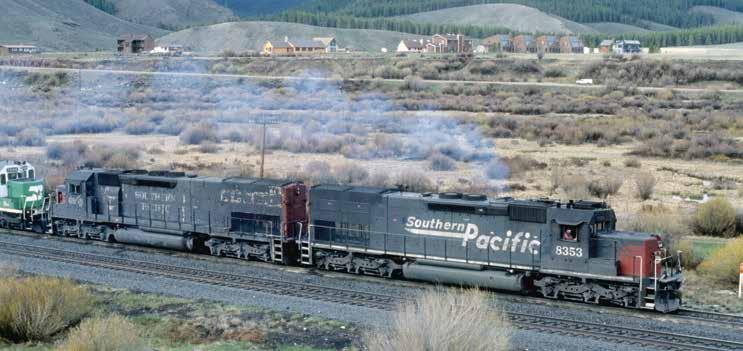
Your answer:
<point x="412" y="44"/>
<point x="306" y="43"/>
<point x="503" y="39"/>
<point x="129" y="36"/>
<point x="528" y="39"/>
<point x="636" y="42"/>
<point x="278" y="44"/>
<point x="324" y="40"/>
<point x="18" y="46"/>
<point x="550" y="39"/>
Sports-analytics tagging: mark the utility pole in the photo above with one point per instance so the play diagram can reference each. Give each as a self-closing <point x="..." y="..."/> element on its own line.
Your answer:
<point x="264" y="122"/>
<point x="263" y="147"/>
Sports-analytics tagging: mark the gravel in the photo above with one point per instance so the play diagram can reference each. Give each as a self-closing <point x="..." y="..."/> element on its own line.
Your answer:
<point x="526" y="340"/>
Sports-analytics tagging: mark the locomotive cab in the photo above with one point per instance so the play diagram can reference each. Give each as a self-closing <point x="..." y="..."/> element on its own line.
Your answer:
<point x="597" y="263"/>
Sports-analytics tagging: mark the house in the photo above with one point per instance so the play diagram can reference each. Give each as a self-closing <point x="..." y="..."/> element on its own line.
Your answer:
<point x="295" y="47"/>
<point x="622" y="47"/>
<point x="548" y="44"/>
<point x="606" y="46"/>
<point x="571" y="45"/>
<point x="449" y="43"/>
<point x="277" y="48"/>
<point x="410" y="46"/>
<point x="331" y="45"/>
<point x="135" y="43"/>
<point x="524" y="43"/>
<point x="498" y="43"/>
<point x="17" y="50"/>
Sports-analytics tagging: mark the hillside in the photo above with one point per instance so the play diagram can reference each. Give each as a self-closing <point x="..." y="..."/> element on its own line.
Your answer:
<point x="172" y="14"/>
<point x="254" y="8"/>
<point x="615" y="28"/>
<point x="241" y="36"/>
<point x="69" y="25"/>
<point x="518" y="18"/>
<point x="721" y="16"/>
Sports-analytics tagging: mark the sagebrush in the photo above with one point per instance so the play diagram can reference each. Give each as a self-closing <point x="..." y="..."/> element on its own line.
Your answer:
<point x="113" y="333"/>
<point x="444" y="320"/>
<point x="36" y="308"/>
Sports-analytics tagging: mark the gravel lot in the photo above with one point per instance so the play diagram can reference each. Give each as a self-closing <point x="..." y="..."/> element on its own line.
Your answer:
<point x="522" y="340"/>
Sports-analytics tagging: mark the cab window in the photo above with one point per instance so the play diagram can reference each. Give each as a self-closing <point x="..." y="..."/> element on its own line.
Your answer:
<point x="31" y="174"/>
<point x="3" y="179"/>
<point x="74" y="189"/>
<point x="569" y="232"/>
<point x="12" y="176"/>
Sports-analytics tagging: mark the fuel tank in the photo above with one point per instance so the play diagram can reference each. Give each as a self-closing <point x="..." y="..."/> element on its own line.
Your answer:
<point x="172" y="241"/>
<point x="458" y="275"/>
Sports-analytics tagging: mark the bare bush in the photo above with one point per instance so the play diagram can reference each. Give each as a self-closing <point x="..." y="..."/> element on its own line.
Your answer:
<point x="378" y="179"/>
<point x="413" y="180"/>
<point x="30" y="137"/>
<point x="606" y="185"/>
<point x="139" y="127"/>
<point x="441" y="162"/>
<point x="197" y="134"/>
<point x="444" y="320"/>
<point x="521" y="164"/>
<point x="632" y="163"/>
<point x="34" y="309"/>
<point x="575" y="187"/>
<point x="645" y="183"/>
<point x="715" y="218"/>
<point x="350" y="173"/>
<point x="106" y="157"/>
<point x="208" y="148"/>
<point x="114" y="333"/>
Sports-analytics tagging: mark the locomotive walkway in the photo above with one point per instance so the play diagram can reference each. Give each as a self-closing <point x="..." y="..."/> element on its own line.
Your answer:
<point x="604" y="332"/>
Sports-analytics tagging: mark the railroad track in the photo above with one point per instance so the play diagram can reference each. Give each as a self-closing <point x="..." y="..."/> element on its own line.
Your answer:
<point x="610" y="333"/>
<point x="719" y="318"/>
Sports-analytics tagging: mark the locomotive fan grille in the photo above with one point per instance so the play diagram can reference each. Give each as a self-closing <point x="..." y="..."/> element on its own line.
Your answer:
<point x="527" y="214"/>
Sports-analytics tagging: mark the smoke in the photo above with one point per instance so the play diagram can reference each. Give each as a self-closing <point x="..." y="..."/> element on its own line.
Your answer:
<point x="307" y="115"/>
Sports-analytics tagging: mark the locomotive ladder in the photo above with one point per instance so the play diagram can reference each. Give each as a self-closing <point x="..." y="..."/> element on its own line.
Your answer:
<point x="277" y="249"/>
<point x="305" y="249"/>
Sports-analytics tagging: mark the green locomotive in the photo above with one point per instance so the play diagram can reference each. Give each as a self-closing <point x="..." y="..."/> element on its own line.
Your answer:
<point x="23" y="203"/>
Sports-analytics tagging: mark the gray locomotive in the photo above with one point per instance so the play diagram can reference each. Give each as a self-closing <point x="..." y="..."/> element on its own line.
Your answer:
<point x="567" y="251"/>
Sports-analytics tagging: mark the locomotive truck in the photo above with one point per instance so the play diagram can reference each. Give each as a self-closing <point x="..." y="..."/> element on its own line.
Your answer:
<point x="557" y="250"/>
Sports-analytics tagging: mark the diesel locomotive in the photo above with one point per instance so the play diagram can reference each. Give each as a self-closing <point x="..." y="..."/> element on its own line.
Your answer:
<point x="23" y="204"/>
<point x="557" y="250"/>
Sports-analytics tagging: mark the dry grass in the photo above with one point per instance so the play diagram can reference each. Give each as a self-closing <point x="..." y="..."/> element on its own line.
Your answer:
<point x="722" y="266"/>
<point x="444" y="320"/>
<point x="113" y="333"/>
<point x="38" y="307"/>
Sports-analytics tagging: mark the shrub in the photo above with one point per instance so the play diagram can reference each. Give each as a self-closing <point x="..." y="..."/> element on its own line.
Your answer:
<point x="197" y="134"/>
<point x="113" y="333"/>
<point x="520" y="164"/>
<point x="208" y="148"/>
<point x="645" y="183"/>
<point x="30" y="137"/>
<point x="441" y="162"/>
<point x="413" y="180"/>
<point x="715" y="218"/>
<point x="632" y="163"/>
<point x="37" y="308"/>
<point x="139" y="127"/>
<point x="554" y="73"/>
<point x="722" y="265"/>
<point x="444" y="320"/>
<point x="106" y="157"/>
<point x="350" y="173"/>
<point x="575" y="187"/>
<point x="604" y="186"/>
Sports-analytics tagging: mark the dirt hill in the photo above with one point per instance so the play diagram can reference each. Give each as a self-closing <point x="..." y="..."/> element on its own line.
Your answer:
<point x="515" y="17"/>
<point x="241" y="36"/>
<point x="65" y="25"/>
<point x="172" y="14"/>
